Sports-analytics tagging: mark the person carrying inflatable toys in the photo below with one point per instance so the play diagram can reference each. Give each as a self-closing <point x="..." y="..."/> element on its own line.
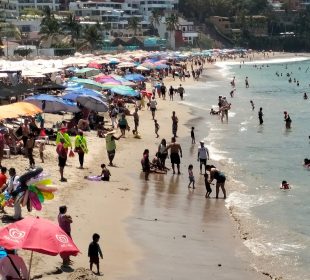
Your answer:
<point x="285" y="185"/>
<point x="62" y="134"/>
<point x="81" y="147"/>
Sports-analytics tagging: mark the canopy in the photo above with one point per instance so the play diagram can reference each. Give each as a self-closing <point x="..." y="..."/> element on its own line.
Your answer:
<point x="51" y="86"/>
<point x="93" y="103"/>
<point x="88" y="72"/>
<point x="126" y="65"/>
<point x="142" y="68"/>
<point x="16" y="110"/>
<point x="51" y="104"/>
<point x="134" y="77"/>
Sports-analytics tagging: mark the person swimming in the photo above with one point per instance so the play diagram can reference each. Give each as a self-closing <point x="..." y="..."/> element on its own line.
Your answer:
<point x="307" y="163"/>
<point x="285" y="185"/>
<point x="305" y="96"/>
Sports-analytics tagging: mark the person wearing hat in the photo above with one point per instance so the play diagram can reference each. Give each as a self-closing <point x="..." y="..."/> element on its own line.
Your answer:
<point x="111" y="145"/>
<point x="203" y="155"/>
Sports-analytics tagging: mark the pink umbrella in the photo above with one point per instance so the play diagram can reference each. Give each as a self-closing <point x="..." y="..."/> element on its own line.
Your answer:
<point x="37" y="235"/>
<point x="94" y="64"/>
<point x="110" y="81"/>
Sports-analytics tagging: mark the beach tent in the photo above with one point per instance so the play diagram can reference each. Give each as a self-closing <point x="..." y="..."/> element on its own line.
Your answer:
<point x="51" y="104"/>
<point x="18" y="109"/>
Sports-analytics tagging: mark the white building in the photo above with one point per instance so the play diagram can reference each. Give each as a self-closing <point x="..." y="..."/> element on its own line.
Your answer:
<point x="146" y="7"/>
<point x="11" y="9"/>
<point x="114" y="14"/>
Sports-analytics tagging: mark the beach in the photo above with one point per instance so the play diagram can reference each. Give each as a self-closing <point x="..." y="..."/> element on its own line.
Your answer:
<point x="156" y="229"/>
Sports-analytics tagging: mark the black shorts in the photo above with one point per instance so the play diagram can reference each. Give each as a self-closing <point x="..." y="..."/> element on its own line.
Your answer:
<point x="175" y="158"/>
<point x="153" y="109"/>
<point x="62" y="161"/>
<point x="94" y="259"/>
<point x="203" y="161"/>
<point x="122" y="126"/>
<point x="221" y="179"/>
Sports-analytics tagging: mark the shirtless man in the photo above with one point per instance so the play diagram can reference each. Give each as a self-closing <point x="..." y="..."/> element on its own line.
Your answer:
<point x="175" y="149"/>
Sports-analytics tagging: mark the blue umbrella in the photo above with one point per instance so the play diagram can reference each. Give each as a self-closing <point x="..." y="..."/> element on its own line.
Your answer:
<point x="161" y="66"/>
<point x="135" y="77"/>
<point x="93" y="103"/>
<point x="51" y="104"/>
<point x="73" y="94"/>
<point x="125" y="91"/>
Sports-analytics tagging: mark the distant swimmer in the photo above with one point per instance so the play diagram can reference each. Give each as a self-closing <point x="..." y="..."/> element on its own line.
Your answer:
<point x="285" y="185"/>
<point x="247" y="82"/>
<point x="298" y="83"/>
<point x="233" y="82"/>
<point x="232" y="93"/>
<point x="252" y="104"/>
<point x="307" y="163"/>
<point x="260" y="116"/>
<point x="305" y="96"/>
<point x="290" y="80"/>
<point x="288" y="120"/>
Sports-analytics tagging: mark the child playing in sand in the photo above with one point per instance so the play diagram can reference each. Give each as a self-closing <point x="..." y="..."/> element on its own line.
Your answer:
<point x="41" y="150"/>
<point x="191" y="176"/>
<point x="94" y="251"/>
<point x="193" y="135"/>
<point x="104" y="176"/>
<point x="208" y="186"/>
<point x="156" y="128"/>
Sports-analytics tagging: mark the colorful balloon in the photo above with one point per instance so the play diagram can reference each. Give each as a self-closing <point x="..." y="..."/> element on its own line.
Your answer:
<point x="35" y="202"/>
<point x="48" y="195"/>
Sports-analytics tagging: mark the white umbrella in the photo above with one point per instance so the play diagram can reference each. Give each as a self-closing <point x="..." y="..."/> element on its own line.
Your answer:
<point x="126" y="64"/>
<point x="93" y="103"/>
<point x="142" y="68"/>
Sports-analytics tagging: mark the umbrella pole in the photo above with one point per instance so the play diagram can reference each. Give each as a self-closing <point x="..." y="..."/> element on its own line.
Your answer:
<point x="30" y="263"/>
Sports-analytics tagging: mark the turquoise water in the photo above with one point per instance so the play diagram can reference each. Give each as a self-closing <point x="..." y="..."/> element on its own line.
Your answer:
<point x="257" y="158"/>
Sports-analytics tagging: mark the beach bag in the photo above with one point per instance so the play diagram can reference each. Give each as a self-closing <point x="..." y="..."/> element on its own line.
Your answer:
<point x="71" y="153"/>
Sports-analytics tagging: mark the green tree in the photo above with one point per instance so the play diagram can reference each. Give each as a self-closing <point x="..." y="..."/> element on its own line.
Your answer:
<point x="134" y="24"/>
<point x="9" y="30"/>
<point x="73" y="27"/>
<point x="91" y="36"/>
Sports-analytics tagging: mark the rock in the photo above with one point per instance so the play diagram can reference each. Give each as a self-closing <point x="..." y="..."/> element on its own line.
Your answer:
<point x="219" y="264"/>
<point x="184" y="236"/>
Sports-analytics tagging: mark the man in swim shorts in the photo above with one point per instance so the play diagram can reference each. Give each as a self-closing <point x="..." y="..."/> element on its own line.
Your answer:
<point x="175" y="154"/>
<point x="203" y="155"/>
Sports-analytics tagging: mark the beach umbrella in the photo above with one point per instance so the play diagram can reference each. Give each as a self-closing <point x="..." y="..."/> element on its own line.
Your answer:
<point x="50" y="104"/>
<point x="73" y="95"/>
<point x="72" y="86"/>
<point x="93" y="103"/>
<point x="114" y="60"/>
<point x="135" y="77"/>
<point x="94" y="64"/>
<point x="161" y="66"/>
<point x="18" y="109"/>
<point x="88" y="83"/>
<point x="125" y="91"/>
<point x="148" y="65"/>
<point x="142" y="68"/>
<point x="126" y="65"/>
<point x="108" y="81"/>
<point x="37" y="235"/>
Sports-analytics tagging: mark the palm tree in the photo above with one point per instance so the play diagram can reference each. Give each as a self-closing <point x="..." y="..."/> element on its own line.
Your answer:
<point x="155" y="18"/>
<point x="91" y="35"/>
<point x="133" y="24"/>
<point x="9" y="30"/>
<point x="50" y="28"/>
<point x="172" y="23"/>
<point x="72" y="26"/>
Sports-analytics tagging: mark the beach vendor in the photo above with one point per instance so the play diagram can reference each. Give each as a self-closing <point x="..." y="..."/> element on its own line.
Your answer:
<point x="80" y="147"/>
<point x="62" y="134"/>
<point x="11" y="187"/>
<point x="111" y="146"/>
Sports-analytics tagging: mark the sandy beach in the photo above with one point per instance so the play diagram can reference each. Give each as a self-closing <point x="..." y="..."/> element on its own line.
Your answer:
<point x="154" y="229"/>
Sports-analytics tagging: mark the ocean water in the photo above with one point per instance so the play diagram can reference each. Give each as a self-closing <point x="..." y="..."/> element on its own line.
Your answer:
<point x="275" y="224"/>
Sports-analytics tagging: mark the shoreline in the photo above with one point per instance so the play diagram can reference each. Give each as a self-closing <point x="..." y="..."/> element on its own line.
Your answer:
<point x="130" y="237"/>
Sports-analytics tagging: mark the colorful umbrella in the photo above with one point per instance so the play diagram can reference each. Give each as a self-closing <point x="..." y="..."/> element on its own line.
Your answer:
<point x="73" y="95"/>
<point x="125" y="91"/>
<point x="93" y="103"/>
<point x="135" y="77"/>
<point x="94" y="64"/>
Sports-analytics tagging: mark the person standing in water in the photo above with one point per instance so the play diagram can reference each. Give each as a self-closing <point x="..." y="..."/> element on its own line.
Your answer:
<point x="287" y="120"/>
<point x="252" y="104"/>
<point x="175" y="154"/>
<point x="220" y="179"/>
<point x="247" y="82"/>
<point x="175" y="121"/>
<point x="260" y="116"/>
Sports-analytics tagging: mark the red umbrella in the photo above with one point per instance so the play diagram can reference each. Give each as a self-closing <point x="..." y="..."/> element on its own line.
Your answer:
<point x="94" y="64"/>
<point x="38" y="235"/>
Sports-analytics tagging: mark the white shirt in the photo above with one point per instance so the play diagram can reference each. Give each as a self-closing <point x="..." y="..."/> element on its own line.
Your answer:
<point x="13" y="183"/>
<point x="203" y="152"/>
